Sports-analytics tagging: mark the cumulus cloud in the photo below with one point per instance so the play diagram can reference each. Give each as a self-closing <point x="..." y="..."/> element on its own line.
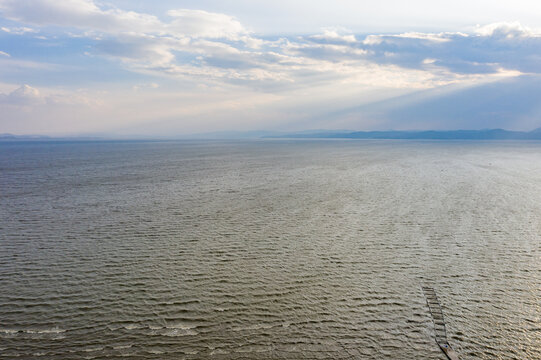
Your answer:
<point x="25" y="95"/>
<point x="199" y="23"/>
<point x="333" y="36"/>
<point x="78" y="14"/>
<point x="490" y="49"/>
<point x="87" y="15"/>
<point x="507" y="30"/>
<point x="214" y="48"/>
<point x="137" y="48"/>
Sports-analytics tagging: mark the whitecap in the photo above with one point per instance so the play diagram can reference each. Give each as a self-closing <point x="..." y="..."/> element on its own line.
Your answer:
<point x="132" y="326"/>
<point x="179" y="332"/>
<point x="219" y="352"/>
<point x="45" y="331"/>
<point x="181" y="325"/>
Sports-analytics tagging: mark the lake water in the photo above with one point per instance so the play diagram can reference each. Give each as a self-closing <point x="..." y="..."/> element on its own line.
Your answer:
<point x="269" y="249"/>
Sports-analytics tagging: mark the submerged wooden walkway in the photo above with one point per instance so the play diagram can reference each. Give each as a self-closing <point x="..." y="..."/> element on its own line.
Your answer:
<point x="439" y="324"/>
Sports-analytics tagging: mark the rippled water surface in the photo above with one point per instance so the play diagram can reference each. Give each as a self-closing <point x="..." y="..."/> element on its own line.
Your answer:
<point x="269" y="249"/>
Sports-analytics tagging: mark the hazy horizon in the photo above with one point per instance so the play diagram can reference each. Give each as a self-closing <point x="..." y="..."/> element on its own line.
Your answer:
<point x="238" y="134"/>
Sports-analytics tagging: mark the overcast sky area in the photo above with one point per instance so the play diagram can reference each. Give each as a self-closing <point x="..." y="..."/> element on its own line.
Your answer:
<point x="169" y="68"/>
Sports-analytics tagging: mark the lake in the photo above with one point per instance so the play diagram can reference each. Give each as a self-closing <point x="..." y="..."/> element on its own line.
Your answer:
<point x="269" y="249"/>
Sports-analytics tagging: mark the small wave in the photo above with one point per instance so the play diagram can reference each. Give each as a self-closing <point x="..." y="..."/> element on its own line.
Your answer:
<point x="179" y="332"/>
<point x="45" y="331"/>
<point x="132" y="326"/>
<point x="93" y="349"/>
<point x="254" y="327"/>
<point x="190" y="351"/>
<point x="181" y="325"/>
<point x="219" y="352"/>
<point x="174" y="329"/>
<point x="32" y="331"/>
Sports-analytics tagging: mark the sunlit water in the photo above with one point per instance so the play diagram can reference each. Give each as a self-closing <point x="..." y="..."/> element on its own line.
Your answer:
<point x="269" y="249"/>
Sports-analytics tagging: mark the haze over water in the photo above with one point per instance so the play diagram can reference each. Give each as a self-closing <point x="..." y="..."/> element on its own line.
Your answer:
<point x="269" y="249"/>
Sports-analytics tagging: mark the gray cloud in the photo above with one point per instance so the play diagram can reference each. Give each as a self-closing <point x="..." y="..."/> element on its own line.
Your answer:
<point x="507" y="47"/>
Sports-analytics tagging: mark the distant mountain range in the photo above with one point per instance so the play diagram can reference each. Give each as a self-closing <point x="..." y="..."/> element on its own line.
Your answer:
<point x="11" y="137"/>
<point x="488" y="134"/>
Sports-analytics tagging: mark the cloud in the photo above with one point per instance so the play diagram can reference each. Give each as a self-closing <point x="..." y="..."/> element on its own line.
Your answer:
<point x="212" y="46"/>
<point x="507" y="30"/>
<point x="490" y="49"/>
<point x="196" y="49"/>
<point x="199" y="23"/>
<point x="18" y="30"/>
<point x="152" y="85"/>
<point x="87" y="15"/>
<point x="333" y="36"/>
<point x="25" y="95"/>
<point x="134" y="48"/>
<point x="77" y="14"/>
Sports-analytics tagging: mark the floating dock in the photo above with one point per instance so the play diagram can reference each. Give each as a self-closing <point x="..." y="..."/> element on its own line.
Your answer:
<point x="439" y="324"/>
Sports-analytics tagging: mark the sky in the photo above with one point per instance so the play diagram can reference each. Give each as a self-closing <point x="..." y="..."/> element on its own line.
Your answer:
<point x="171" y="68"/>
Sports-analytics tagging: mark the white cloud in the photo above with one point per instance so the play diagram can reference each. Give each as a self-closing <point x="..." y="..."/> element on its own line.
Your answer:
<point x="150" y="49"/>
<point x="441" y="37"/>
<point x="507" y="30"/>
<point x="18" y="30"/>
<point x="84" y="14"/>
<point x="199" y="23"/>
<point x="3" y="53"/>
<point x="87" y="15"/>
<point x="204" y="44"/>
<point x="332" y="35"/>
<point x="25" y="95"/>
